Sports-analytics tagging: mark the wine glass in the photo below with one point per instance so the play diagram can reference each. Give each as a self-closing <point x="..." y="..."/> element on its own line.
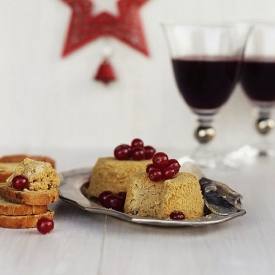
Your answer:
<point x="258" y="83"/>
<point x="205" y="61"/>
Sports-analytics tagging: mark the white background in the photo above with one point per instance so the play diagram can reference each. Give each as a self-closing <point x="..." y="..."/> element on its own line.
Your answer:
<point x="50" y="103"/>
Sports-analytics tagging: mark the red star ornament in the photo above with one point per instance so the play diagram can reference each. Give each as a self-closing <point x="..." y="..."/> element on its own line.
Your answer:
<point x="85" y="27"/>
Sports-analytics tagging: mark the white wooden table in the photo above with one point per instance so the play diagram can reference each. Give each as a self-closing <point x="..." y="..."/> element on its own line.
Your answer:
<point x="87" y="243"/>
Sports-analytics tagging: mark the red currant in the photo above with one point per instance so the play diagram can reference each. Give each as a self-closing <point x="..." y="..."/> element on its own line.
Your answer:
<point x="20" y="182"/>
<point x="115" y="202"/>
<point x="160" y="160"/>
<point x="155" y="174"/>
<point x="137" y="143"/>
<point x="103" y="196"/>
<point x="45" y="225"/>
<point x="138" y="153"/>
<point x="175" y="164"/>
<point x="177" y="215"/>
<point x="122" y="195"/>
<point x="149" y="167"/>
<point x="122" y="152"/>
<point x="168" y="173"/>
<point x="149" y="152"/>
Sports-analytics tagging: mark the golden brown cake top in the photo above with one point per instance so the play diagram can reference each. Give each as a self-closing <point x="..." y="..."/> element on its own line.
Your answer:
<point x="41" y="175"/>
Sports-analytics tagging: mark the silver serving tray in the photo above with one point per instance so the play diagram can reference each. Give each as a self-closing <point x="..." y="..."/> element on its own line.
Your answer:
<point x="71" y="191"/>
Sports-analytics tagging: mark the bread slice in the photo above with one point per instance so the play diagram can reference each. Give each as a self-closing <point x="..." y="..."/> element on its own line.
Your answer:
<point x="20" y="157"/>
<point x="12" y="209"/>
<point x="40" y="197"/>
<point x="6" y="169"/>
<point x="26" y="221"/>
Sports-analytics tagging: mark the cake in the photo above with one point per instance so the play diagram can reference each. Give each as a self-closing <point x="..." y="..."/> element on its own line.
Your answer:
<point x="113" y="175"/>
<point x="182" y="193"/>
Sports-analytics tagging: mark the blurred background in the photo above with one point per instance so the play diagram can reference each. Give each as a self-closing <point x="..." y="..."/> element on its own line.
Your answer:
<point x="52" y="105"/>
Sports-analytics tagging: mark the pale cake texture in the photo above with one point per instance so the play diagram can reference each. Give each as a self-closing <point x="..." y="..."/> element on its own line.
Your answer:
<point x="143" y="197"/>
<point x="41" y="175"/>
<point x="146" y="198"/>
<point x="110" y="174"/>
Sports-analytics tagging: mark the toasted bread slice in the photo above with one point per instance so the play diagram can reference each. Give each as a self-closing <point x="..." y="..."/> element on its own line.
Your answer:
<point x="26" y="221"/>
<point x="41" y="197"/>
<point x="20" y="157"/>
<point x="12" y="209"/>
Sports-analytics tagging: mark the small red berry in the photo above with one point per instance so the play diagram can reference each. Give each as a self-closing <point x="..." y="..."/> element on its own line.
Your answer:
<point x="115" y="202"/>
<point x="155" y="174"/>
<point x="45" y="225"/>
<point x="137" y="143"/>
<point x="138" y="153"/>
<point x="177" y="215"/>
<point x="103" y="196"/>
<point x="168" y="173"/>
<point x="20" y="182"/>
<point x="122" y="195"/>
<point x="175" y="164"/>
<point x="149" y="152"/>
<point x="122" y="152"/>
<point x="160" y="160"/>
<point x="149" y="167"/>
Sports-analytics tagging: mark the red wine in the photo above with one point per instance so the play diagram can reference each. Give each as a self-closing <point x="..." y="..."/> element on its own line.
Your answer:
<point x="258" y="79"/>
<point x="205" y="83"/>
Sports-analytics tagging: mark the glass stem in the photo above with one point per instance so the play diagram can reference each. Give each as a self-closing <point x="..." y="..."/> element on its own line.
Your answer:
<point x="264" y="125"/>
<point x="203" y="155"/>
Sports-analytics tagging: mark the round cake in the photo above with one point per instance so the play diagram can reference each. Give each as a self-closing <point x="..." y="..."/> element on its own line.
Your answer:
<point x="182" y="193"/>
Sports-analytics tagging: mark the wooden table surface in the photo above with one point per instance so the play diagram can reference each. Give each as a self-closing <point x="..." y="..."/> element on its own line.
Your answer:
<point x="87" y="243"/>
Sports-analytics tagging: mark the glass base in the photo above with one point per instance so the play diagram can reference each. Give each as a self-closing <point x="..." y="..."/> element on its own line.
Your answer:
<point x="207" y="158"/>
<point x="261" y="148"/>
<point x="251" y="153"/>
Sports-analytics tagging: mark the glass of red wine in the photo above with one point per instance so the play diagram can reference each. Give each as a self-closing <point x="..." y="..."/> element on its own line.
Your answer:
<point x="257" y="80"/>
<point x="206" y="61"/>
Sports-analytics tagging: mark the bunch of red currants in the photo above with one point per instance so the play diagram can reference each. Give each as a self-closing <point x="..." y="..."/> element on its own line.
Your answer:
<point x="135" y="151"/>
<point x="114" y="201"/>
<point x="162" y="167"/>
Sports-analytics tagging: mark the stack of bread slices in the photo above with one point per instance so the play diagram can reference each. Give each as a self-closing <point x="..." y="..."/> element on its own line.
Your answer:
<point x="23" y="208"/>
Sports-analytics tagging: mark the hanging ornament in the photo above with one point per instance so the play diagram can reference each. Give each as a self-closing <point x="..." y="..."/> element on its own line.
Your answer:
<point x="85" y="27"/>
<point x="105" y="72"/>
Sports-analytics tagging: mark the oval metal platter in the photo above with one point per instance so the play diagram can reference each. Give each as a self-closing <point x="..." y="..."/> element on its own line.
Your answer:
<point x="72" y="190"/>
